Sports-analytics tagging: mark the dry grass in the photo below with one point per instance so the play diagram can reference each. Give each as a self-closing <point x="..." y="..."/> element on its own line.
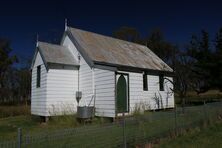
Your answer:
<point x="210" y="92"/>
<point x="9" y="111"/>
<point x="196" y="99"/>
<point x="198" y="137"/>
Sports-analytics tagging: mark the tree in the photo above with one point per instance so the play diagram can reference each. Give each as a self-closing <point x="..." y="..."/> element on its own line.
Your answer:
<point x="218" y="59"/>
<point x="24" y="87"/>
<point x="182" y="73"/>
<point x="200" y="52"/>
<point x="155" y="41"/>
<point x="128" y="34"/>
<point x="164" y="49"/>
<point x="6" y="61"/>
<point x="218" y="41"/>
<point x="24" y="80"/>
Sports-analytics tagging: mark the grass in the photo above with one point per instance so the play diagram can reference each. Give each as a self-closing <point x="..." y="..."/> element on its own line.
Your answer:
<point x="193" y="98"/>
<point x="32" y="125"/>
<point x="202" y="138"/>
<point x="15" y="110"/>
<point x="65" y="131"/>
<point x="208" y="93"/>
<point x="61" y="130"/>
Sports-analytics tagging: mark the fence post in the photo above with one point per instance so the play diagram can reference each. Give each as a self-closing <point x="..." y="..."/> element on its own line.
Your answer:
<point x="19" y="137"/>
<point x="124" y="134"/>
<point x="175" y="118"/>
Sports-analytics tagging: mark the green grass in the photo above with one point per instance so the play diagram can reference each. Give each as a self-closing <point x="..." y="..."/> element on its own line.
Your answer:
<point x="142" y="127"/>
<point x="33" y="125"/>
<point x="197" y="138"/>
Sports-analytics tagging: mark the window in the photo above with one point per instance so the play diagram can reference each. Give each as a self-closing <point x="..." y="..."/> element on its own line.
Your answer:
<point x="38" y="76"/>
<point x="145" y="82"/>
<point x="161" y="81"/>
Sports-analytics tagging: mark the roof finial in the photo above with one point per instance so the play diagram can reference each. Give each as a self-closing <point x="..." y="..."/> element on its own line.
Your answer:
<point x="37" y="40"/>
<point x="65" y="24"/>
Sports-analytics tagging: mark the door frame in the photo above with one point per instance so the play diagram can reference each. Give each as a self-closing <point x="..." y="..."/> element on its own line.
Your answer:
<point x="128" y="96"/>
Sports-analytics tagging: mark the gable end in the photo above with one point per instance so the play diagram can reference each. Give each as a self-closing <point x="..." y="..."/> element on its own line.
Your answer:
<point x="79" y="48"/>
<point x="34" y="58"/>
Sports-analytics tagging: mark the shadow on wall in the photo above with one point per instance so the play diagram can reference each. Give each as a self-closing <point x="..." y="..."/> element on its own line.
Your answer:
<point x="159" y="100"/>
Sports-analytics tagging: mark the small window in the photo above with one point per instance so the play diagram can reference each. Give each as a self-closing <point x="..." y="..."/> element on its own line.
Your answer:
<point x="161" y="81"/>
<point x="145" y="82"/>
<point x="38" y="76"/>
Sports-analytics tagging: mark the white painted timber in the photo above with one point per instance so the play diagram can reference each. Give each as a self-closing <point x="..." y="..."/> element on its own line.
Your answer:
<point x="62" y="85"/>
<point x="135" y="90"/>
<point x="105" y="92"/>
<point x="145" y="100"/>
<point x="56" y="95"/>
<point x="68" y="43"/>
<point x="38" y="95"/>
<point x="85" y="74"/>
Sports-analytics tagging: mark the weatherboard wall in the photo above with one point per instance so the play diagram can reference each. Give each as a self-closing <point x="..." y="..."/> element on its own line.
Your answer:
<point x="146" y="99"/>
<point x="62" y="85"/>
<point x="85" y="74"/>
<point x="38" y="94"/>
<point x="104" y="89"/>
<point x="97" y="82"/>
<point x="105" y="92"/>
<point x="165" y="97"/>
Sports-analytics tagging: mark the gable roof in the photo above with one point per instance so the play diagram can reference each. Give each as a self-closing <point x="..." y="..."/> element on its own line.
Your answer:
<point x="104" y="50"/>
<point x="55" y="54"/>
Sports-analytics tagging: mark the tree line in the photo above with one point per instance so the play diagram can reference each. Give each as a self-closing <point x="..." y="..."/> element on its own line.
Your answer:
<point x="15" y="82"/>
<point x="197" y="66"/>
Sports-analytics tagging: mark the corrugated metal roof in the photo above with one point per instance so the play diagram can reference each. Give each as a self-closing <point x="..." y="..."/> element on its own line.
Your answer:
<point x="56" y="54"/>
<point x="104" y="49"/>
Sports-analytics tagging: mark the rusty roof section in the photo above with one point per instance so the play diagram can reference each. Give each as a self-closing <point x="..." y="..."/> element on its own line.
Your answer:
<point x="104" y="49"/>
<point x="56" y="54"/>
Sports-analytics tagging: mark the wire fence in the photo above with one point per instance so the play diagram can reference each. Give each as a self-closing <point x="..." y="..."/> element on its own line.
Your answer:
<point x="125" y="132"/>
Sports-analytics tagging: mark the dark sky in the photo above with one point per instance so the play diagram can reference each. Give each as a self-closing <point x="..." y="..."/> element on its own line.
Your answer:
<point x="20" y="21"/>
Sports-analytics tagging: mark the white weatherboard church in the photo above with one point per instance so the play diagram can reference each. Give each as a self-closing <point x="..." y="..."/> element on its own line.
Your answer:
<point x="113" y="75"/>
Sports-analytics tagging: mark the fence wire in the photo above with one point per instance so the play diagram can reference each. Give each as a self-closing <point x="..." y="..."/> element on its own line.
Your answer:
<point x="125" y="132"/>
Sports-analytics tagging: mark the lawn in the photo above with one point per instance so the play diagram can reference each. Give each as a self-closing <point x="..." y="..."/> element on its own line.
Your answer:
<point x="197" y="138"/>
<point x="9" y="126"/>
<point x="32" y="125"/>
<point x="193" y="98"/>
<point x="65" y="131"/>
<point x="14" y="110"/>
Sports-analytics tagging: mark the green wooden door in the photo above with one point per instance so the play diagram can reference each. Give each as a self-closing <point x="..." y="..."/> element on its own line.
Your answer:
<point x="121" y="94"/>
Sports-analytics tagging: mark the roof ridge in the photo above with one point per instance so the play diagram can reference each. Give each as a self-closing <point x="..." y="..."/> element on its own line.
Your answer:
<point x="108" y="36"/>
<point x="108" y="50"/>
<point x="56" y="54"/>
<point x="52" y="44"/>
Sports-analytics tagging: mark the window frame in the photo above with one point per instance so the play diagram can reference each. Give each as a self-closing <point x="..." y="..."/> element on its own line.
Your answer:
<point x="145" y="82"/>
<point x="161" y="82"/>
<point x="38" y="77"/>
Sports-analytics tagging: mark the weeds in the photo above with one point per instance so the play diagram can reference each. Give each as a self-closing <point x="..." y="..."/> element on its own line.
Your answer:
<point x="65" y="120"/>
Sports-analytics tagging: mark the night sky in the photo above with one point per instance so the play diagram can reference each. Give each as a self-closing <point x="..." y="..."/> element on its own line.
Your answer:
<point x="20" y="21"/>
